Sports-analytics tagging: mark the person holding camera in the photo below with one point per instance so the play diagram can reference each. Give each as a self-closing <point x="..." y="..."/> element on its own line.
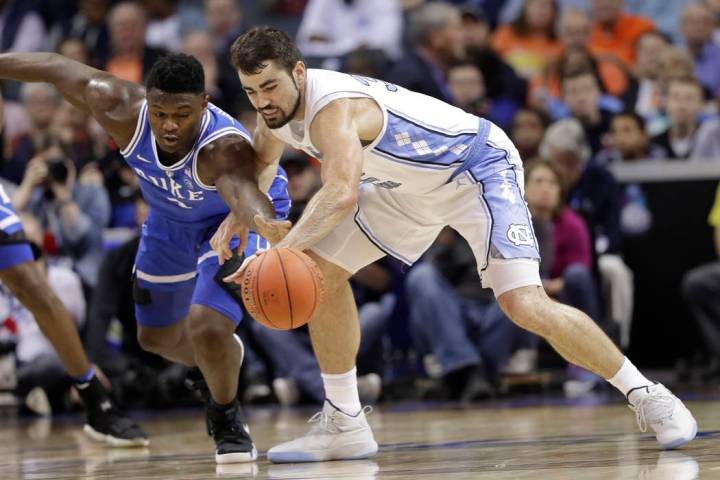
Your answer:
<point x="73" y="211"/>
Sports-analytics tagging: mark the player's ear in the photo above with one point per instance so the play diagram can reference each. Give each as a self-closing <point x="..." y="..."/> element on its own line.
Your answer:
<point x="299" y="72"/>
<point x="206" y="100"/>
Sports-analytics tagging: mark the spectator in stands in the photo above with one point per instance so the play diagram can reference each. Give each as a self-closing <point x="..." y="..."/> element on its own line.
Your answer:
<point x="503" y="84"/>
<point x="714" y="6"/>
<point x="37" y="364"/>
<point x="459" y="322"/>
<point x="163" y="28"/>
<point x="73" y="209"/>
<point x="574" y="30"/>
<point x="581" y="92"/>
<point x="468" y="89"/>
<point x="628" y="141"/>
<point x="697" y="25"/>
<point x="130" y="59"/>
<point x="224" y="21"/>
<point x="21" y="28"/>
<point x="615" y="32"/>
<point x="437" y="39"/>
<point x="333" y="28"/>
<point x="71" y="127"/>
<point x="528" y="128"/>
<point x="366" y="62"/>
<point x="567" y="273"/>
<point x="701" y="290"/>
<point x="41" y="102"/>
<point x="683" y="103"/>
<point x="88" y="25"/>
<point x="644" y="94"/>
<point x="593" y="193"/>
<point x="75" y="49"/>
<point x="221" y="81"/>
<point x="529" y="42"/>
<point x="303" y="182"/>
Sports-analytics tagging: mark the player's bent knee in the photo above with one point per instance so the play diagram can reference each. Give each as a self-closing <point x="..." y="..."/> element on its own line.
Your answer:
<point x="207" y="332"/>
<point x="155" y="340"/>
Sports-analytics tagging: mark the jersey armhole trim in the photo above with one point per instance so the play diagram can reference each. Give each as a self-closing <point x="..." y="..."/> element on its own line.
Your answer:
<point x="139" y="131"/>
<point x="223" y="132"/>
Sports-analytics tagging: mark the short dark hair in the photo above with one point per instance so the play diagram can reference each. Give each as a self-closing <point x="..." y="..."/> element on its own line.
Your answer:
<point x="177" y="73"/>
<point x="261" y="44"/>
<point x="634" y="116"/>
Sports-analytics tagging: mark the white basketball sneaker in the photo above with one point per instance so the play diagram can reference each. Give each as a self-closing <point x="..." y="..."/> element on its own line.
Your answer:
<point x="335" y="435"/>
<point x="657" y="407"/>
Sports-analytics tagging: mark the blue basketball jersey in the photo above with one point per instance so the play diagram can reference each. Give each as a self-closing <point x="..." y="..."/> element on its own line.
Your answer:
<point x="176" y="191"/>
<point x="9" y="221"/>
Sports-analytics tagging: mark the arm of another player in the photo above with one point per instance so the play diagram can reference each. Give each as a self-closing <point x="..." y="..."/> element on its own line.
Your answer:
<point x="334" y="132"/>
<point x="232" y="166"/>
<point x="113" y="102"/>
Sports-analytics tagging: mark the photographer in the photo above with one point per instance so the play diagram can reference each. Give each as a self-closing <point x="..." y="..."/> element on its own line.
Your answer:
<point x="73" y="211"/>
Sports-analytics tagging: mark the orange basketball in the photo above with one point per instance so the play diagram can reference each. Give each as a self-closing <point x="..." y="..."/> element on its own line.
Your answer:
<point x="282" y="288"/>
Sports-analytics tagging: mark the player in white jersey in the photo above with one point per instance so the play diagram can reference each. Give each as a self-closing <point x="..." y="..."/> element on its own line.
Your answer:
<point x="397" y="167"/>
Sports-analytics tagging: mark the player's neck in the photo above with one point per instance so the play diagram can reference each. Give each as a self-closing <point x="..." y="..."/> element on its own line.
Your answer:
<point x="168" y="159"/>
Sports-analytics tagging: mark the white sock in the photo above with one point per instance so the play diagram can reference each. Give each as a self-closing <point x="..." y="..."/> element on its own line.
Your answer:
<point x="341" y="390"/>
<point x="628" y="378"/>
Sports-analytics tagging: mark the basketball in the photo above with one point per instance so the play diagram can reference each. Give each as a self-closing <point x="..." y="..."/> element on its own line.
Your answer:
<point x="282" y="288"/>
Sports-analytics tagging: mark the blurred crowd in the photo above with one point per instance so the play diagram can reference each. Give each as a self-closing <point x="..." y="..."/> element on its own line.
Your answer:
<point x="577" y="84"/>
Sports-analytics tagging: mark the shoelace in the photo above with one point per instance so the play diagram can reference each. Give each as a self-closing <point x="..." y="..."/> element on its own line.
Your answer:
<point x="658" y="405"/>
<point x="324" y="421"/>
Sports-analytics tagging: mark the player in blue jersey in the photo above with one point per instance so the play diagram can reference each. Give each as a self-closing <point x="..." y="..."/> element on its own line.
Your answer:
<point x="20" y="273"/>
<point x="195" y="164"/>
<point x="397" y="168"/>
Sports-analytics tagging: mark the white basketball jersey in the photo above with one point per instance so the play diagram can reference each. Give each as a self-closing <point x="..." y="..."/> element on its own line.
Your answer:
<point x="423" y="142"/>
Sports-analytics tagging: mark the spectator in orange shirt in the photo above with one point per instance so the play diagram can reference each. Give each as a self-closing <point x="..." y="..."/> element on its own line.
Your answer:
<point x="574" y="32"/>
<point x="530" y="41"/>
<point x="616" y="32"/>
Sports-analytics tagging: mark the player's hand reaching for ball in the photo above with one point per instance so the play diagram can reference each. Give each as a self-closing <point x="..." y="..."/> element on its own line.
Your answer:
<point x="220" y="241"/>
<point x="271" y="229"/>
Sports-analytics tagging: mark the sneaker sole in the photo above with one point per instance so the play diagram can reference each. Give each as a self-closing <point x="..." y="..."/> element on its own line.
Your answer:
<point x="115" y="441"/>
<point x="320" y="456"/>
<point x="681" y="441"/>
<point x="238" y="457"/>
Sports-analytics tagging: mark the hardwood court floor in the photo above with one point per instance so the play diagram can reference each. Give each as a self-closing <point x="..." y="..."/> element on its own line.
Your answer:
<point x="487" y="441"/>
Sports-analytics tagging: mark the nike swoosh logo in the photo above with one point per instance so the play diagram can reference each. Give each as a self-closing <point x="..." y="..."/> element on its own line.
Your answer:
<point x="143" y="159"/>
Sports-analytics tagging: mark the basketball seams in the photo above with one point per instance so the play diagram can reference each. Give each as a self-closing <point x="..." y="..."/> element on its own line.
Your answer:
<point x="257" y="289"/>
<point x="287" y="287"/>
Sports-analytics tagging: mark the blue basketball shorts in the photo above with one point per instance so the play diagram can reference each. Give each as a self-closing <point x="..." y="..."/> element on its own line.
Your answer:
<point x="175" y="267"/>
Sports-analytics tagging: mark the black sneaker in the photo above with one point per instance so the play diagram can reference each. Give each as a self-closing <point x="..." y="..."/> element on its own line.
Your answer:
<point x="232" y="438"/>
<point x="105" y="423"/>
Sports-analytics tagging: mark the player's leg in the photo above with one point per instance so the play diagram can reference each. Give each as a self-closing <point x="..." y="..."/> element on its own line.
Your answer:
<point x="214" y="315"/>
<point x="500" y="232"/>
<point x="163" y="284"/>
<point x="28" y="284"/>
<point x="161" y="325"/>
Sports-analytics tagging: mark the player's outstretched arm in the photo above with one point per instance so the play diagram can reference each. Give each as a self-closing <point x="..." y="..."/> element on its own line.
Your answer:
<point x="113" y="102"/>
<point x="232" y="166"/>
<point x="335" y="133"/>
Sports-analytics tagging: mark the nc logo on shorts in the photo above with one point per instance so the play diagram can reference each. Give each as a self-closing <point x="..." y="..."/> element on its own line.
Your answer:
<point x="520" y="235"/>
